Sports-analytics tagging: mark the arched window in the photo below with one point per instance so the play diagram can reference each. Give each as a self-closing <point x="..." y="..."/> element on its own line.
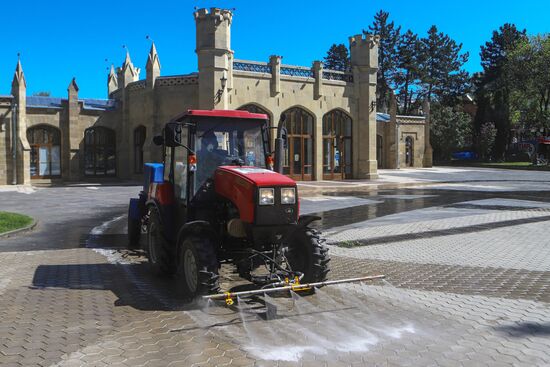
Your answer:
<point x="252" y="108"/>
<point x="409" y="151"/>
<point x="337" y="150"/>
<point x="45" y="142"/>
<point x="298" y="160"/>
<point x="99" y="151"/>
<point x="139" y="139"/>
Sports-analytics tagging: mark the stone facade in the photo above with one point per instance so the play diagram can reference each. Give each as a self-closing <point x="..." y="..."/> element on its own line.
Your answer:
<point x="136" y="110"/>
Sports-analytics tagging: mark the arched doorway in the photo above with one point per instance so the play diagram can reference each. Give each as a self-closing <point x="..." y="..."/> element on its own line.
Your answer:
<point x="45" y="142"/>
<point x="139" y="139"/>
<point x="252" y="108"/>
<point x="99" y="152"/>
<point x="298" y="160"/>
<point x="337" y="149"/>
<point x="379" y="151"/>
<point x="409" y="151"/>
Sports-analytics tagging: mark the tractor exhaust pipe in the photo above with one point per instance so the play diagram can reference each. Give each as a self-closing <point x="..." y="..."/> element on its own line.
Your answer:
<point x="228" y="296"/>
<point x="280" y="142"/>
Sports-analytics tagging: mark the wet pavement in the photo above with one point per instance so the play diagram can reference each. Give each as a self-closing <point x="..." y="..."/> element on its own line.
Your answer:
<point x="468" y="283"/>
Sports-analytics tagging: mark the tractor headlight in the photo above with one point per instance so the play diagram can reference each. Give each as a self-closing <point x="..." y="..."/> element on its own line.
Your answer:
<point x="267" y="196"/>
<point x="288" y="195"/>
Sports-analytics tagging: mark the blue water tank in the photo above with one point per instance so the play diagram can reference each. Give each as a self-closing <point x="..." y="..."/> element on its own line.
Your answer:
<point x="154" y="173"/>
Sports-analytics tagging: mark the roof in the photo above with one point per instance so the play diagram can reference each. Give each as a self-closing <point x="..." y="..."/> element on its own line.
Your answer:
<point x="222" y="113"/>
<point x="382" y="117"/>
<point x="57" y="103"/>
<point x="44" y="102"/>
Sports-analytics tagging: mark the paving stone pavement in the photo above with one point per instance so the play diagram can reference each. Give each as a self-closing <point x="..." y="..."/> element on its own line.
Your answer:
<point x="479" y="297"/>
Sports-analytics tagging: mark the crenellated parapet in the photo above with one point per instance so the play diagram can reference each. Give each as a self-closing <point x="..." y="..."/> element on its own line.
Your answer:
<point x="213" y="28"/>
<point x="364" y="50"/>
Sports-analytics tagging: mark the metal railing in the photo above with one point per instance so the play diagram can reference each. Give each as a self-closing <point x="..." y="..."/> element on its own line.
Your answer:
<point x="252" y="66"/>
<point x="337" y="75"/>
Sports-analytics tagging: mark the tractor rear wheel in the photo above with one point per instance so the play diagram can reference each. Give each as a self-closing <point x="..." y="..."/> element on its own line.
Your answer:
<point x="158" y="254"/>
<point x="197" y="270"/>
<point x="308" y="255"/>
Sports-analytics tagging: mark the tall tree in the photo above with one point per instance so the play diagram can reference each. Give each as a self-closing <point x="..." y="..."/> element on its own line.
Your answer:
<point x="337" y="58"/>
<point x="495" y="83"/>
<point x="387" y="56"/>
<point x="441" y="62"/>
<point x="528" y="68"/>
<point x="408" y="70"/>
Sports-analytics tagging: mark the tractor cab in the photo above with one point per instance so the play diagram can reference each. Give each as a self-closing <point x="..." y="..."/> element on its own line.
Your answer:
<point x="198" y="142"/>
<point x="217" y="199"/>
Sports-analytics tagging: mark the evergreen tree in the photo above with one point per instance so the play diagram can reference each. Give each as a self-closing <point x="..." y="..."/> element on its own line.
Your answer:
<point x="441" y="62"/>
<point x="387" y="56"/>
<point x="495" y="84"/>
<point x="337" y="58"/>
<point x="408" y="70"/>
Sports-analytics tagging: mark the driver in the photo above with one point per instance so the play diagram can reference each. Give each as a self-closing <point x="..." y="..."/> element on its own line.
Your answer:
<point x="208" y="156"/>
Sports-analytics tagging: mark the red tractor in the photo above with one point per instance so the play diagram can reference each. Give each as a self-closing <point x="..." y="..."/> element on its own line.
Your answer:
<point x="216" y="199"/>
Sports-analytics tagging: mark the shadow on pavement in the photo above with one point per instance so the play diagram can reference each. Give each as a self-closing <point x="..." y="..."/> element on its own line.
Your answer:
<point x="133" y="284"/>
<point x="524" y="329"/>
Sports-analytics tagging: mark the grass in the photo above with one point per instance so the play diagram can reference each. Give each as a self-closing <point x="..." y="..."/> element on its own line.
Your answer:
<point x="12" y="221"/>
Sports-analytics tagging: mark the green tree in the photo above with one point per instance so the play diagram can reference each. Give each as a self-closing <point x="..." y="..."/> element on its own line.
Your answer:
<point x="42" y="94"/>
<point x="450" y="131"/>
<point x="486" y="141"/>
<point x="337" y="58"/>
<point x="408" y="70"/>
<point x="528" y="67"/>
<point x="387" y="56"/>
<point x="441" y="74"/>
<point x="495" y="83"/>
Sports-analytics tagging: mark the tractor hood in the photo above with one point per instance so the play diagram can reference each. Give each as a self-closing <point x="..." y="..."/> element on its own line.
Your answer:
<point x="240" y="186"/>
<point x="259" y="177"/>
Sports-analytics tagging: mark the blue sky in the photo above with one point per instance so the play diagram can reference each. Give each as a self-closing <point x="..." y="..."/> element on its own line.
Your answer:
<point x="62" y="39"/>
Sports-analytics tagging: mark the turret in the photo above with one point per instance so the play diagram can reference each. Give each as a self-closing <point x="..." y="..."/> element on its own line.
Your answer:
<point x="364" y="63"/>
<point x="214" y="54"/>
<point x="112" y="81"/>
<point x="127" y="73"/>
<point x="153" y="67"/>
<point x="19" y="136"/>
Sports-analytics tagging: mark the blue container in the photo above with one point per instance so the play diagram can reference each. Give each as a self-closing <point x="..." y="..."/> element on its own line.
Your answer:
<point x="154" y="173"/>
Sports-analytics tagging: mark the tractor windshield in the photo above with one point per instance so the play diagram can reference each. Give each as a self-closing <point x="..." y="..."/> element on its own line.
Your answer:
<point x="228" y="142"/>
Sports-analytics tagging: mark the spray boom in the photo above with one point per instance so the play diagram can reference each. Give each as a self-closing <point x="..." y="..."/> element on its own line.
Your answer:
<point x="290" y="286"/>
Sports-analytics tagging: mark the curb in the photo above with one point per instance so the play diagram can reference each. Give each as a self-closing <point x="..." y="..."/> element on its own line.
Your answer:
<point x="28" y="228"/>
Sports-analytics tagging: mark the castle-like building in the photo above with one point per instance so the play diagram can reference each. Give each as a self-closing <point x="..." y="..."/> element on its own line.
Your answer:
<point x="334" y="131"/>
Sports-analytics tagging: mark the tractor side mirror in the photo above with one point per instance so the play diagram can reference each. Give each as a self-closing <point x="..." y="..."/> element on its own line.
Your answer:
<point x="172" y="134"/>
<point x="158" y="140"/>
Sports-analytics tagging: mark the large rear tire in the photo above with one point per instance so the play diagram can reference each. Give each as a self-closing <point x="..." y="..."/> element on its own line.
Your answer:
<point x="197" y="270"/>
<point x="308" y="254"/>
<point x="158" y="253"/>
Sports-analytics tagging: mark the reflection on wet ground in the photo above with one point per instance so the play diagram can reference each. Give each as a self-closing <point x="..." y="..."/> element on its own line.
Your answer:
<point x="403" y="200"/>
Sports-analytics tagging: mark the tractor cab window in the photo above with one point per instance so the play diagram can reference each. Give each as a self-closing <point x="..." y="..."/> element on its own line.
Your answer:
<point x="219" y="143"/>
<point x="180" y="173"/>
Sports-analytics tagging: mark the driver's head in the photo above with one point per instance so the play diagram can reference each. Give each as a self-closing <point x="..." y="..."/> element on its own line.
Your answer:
<point x="209" y="141"/>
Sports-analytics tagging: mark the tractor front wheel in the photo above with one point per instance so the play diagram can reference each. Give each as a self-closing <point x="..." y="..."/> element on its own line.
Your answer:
<point x="197" y="270"/>
<point x="158" y="254"/>
<point x="308" y="255"/>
